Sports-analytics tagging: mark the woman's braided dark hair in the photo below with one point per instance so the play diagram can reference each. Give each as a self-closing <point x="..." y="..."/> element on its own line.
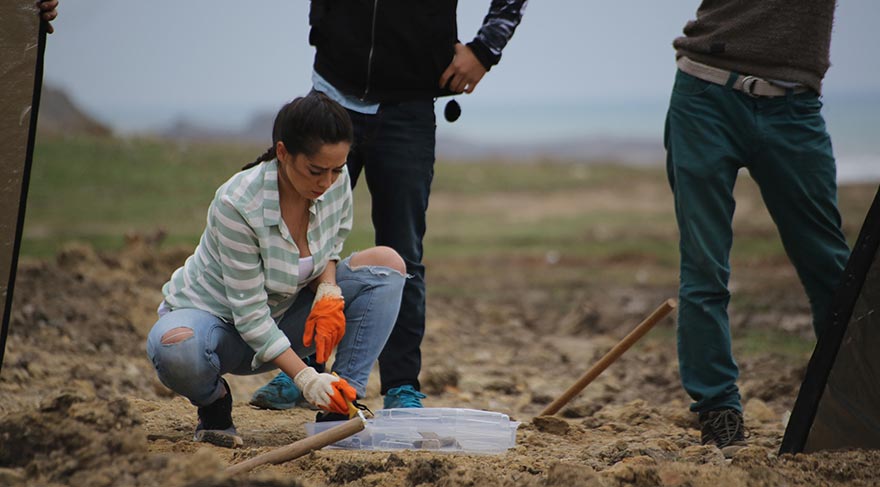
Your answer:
<point x="307" y="123"/>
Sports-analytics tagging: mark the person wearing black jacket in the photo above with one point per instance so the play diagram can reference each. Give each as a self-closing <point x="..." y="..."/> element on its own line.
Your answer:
<point x="386" y="61"/>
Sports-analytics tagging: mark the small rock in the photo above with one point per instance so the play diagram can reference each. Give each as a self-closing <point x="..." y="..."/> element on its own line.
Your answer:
<point x="639" y="460"/>
<point x="439" y="379"/>
<point x="394" y="461"/>
<point x="751" y="456"/>
<point x="613" y="427"/>
<point x="551" y="424"/>
<point x="672" y="474"/>
<point x="758" y="410"/>
<point x="683" y="418"/>
<point x="538" y="398"/>
<point x="703" y="455"/>
<point x="350" y="471"/>
<point x="661" y="444"/>
<point x="632" y="474"/>
<point x="11" y="476"/>
<point x="503" y="386"/>
<point x="581" y="410"/>
<point x="567" y="475"/>
<point x="427" y="471"/>
<point x="61" y="402"/>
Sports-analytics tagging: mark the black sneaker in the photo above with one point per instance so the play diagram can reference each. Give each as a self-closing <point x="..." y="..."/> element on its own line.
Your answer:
<point x="723" y="428"/>
<point x="215" y="422"/>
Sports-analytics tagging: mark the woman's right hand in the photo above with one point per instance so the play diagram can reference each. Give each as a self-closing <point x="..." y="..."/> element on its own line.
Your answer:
<point x="325" y="325"/>
<point x="327" y="391"/>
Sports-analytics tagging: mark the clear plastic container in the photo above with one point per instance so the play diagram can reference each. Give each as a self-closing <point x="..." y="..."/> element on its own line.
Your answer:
<point x="436" y="429"/>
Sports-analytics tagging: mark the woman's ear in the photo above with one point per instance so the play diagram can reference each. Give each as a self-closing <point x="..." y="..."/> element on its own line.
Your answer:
<point x="280" y="150"/>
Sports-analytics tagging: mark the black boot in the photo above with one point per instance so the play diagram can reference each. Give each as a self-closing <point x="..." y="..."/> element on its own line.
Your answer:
<point x="723" y="428"/>
<point x="215" y="422"/>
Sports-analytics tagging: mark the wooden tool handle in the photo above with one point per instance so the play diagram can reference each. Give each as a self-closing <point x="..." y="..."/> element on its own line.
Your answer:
<point x="612" y="355"/>
<point x="302" y="447"/>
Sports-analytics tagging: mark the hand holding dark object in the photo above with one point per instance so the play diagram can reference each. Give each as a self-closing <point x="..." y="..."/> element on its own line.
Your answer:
<point x="325" y="325"/>
<point x="327" y="391"/>
<point x="48" y="12"/>
<point x="464" y="72"/>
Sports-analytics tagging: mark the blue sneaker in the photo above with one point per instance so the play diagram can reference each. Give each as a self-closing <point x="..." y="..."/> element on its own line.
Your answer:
<point x="280" y="393"/>
<point x="403" y="397"/>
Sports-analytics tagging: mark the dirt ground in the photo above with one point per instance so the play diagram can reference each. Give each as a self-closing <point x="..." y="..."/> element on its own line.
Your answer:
<point x="81" y="405"/>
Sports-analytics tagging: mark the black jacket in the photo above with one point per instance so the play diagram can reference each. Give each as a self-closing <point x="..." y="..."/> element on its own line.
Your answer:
<point x="394" y="50"/>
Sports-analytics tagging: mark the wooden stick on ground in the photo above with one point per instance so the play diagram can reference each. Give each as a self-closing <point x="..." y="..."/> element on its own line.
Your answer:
<point x="612" y="355"/>
<point x="302" y="447"/>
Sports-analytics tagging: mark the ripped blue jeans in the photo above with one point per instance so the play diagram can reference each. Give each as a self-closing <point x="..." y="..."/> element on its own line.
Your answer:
<point x="192" y="367"/>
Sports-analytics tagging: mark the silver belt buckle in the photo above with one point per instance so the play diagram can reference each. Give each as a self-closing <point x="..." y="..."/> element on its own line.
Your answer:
<point x="748" y="86"/>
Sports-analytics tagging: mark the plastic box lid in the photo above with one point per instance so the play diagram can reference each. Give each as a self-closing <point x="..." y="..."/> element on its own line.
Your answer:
<point x="437" y="429"/>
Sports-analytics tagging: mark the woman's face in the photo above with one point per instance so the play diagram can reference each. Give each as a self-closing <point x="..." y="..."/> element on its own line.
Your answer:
<point x="312" y="176"/>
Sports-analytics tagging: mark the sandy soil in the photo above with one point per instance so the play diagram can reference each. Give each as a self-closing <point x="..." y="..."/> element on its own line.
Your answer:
<point x="81" y="405"/>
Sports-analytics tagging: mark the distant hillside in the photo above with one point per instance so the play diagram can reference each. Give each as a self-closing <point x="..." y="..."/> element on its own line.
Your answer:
<point x="60" y="115"/>
<point x="258" y="130"/>
<point x="633" y="150"/>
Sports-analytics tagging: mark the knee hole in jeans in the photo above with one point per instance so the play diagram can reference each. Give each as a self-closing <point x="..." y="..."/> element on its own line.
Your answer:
<point x="176" y="335"/>
<point x="379" y="256"/>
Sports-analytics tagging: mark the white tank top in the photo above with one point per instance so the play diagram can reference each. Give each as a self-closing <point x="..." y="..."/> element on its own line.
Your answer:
<point x="306" y="266"/>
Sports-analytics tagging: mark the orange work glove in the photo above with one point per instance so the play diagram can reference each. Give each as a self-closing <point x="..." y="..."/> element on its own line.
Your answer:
<point x="326" y="322"/>
<point x="327" y="391"/>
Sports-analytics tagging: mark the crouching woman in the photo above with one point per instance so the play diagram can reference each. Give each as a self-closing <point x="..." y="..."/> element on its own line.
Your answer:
<point x="266" y="286"/>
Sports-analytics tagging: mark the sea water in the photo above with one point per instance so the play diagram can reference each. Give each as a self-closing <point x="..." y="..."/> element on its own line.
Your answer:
<point x="631" y="132"/>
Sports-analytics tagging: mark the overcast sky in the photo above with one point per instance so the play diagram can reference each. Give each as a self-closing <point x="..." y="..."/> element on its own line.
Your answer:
<point x="135" y="62"/>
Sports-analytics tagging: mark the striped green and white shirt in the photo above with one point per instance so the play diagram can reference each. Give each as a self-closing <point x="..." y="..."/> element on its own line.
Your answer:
<point x="245" y="268"/>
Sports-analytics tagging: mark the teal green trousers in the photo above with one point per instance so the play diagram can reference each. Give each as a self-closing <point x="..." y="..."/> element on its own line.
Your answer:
<point x="711" y="132"/>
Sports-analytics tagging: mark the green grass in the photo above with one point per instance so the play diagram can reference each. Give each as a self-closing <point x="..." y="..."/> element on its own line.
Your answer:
<point x="537" y="177"/>
<point x="772" y="341"/>
<point x="751" y="342"/>
<point x="96" y="190"/>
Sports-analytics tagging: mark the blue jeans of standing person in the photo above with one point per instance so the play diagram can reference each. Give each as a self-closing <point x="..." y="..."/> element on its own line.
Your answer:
<point x="711" y="132"/>
<point x="395" y="150"/>
<point x="192" y="367"/>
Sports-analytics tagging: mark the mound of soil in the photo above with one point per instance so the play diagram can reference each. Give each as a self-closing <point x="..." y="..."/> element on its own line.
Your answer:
<point x="81" y="405"/>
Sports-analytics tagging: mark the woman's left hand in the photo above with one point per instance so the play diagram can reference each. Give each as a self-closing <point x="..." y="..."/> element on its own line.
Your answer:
<point x="326" y="323"/>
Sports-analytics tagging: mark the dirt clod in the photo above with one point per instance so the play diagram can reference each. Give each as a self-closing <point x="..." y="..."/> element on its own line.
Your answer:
<point x="580" y="410"/>
<point x="427" y="471"/>
<point x="551" y="424"/>
<point x="351" y="471"/>
<point x="568" y="475"/>
<point x="437" y="380"/>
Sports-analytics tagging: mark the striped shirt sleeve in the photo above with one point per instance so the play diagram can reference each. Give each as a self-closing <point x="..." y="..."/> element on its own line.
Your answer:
<point x="346" y="221"/>
<point x="244" y="282"/>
